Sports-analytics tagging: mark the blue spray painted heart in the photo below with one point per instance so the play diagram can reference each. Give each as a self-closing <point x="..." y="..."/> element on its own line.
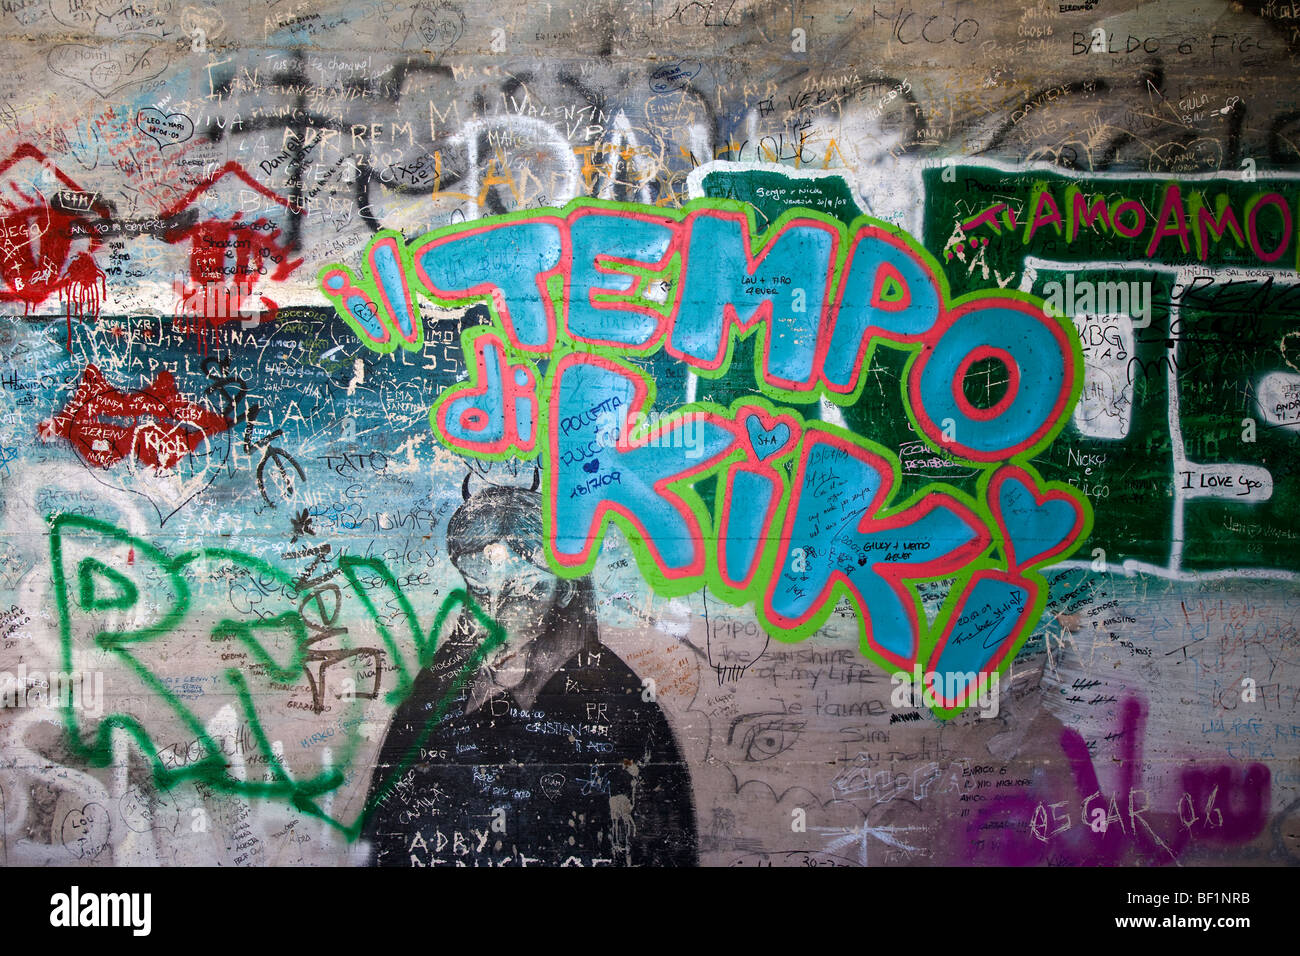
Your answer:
<point x="766" y="441"/>
<point x="1035" y="527"/>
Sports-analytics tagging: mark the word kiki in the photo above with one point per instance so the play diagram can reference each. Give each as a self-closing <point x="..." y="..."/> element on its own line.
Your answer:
<point x="804" y="511"/>
<point x="74" y="908"/>
<point x="1099" y="298"/>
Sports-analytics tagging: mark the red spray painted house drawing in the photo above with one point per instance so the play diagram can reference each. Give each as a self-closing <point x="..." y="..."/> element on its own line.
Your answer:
<point x="231" y="255"/>
<point x="48" y="236"/>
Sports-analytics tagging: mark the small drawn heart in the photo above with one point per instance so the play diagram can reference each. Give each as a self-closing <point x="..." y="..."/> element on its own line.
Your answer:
<point x="169" y="450"/>
<point x="1034" y="526"/>
<point x="552" y="784"/>
<point x="592" y="466"/>
<point x="767" y="442"/>
<point x="85" y="831"/>
<point x="105" y="70"/>
<point x="170" y="489"/>
<point x="674" y="76"/>
<point x="165" y="130"/>
<point x="209" y="20"/>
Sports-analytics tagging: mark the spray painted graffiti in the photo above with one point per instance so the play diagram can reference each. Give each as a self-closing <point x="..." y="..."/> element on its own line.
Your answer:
<point x="572" y="286"/>
<point x="271" y="648"/>
<point x="709" y="433"/>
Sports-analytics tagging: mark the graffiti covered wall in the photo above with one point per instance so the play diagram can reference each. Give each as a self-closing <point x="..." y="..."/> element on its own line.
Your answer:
<point x="631" y="433"/>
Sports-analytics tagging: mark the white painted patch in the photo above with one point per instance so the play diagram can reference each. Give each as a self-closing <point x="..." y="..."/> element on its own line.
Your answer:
<point x="1278" y="397"/>
<point x="1105" y="408"/>
<point x="1248" y="483"/>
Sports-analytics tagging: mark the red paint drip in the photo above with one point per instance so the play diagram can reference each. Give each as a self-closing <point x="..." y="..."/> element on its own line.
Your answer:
<point x="82" y="290"/>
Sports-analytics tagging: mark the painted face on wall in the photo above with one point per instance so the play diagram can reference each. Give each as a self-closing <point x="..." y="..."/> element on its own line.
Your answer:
<point x="519" y="596"/>
<point x="803" y="717"/>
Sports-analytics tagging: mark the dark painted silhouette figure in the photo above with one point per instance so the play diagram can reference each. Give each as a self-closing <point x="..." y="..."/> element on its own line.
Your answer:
<point x="552" y="753"/>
